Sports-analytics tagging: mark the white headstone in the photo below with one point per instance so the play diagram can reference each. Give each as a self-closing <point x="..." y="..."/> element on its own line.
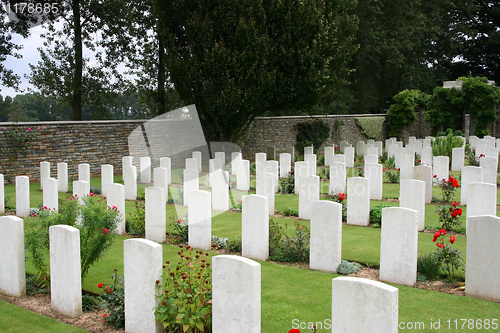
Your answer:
<point x="374" y="173"/>
<point x="44" y="172"/>
<point x="272" y="167"/>
<point x="107" y="177"/>
<point x="457" y="159"/>
<point x="412" y="196"/>
<point x="236" y="295"/>
<point x="243" y="177"/>
<point x="22" y="196"/>
<point x="156" y="214"/>
<point x="84" y="172"/>
<point x="65" y="270"/>
<point x="362" y="305"/>
<point x="62" y="177"/>
<point x="220" y="190"/>
<point x="360" y="148"/>
<point x="213" y="165"/>
<point x="221" y="156"/>
<point x="340" y="158"/>
<point x="371" y="150"/>
<point x="197" y="155"/>
<point x="308" y="150"/>
<point x="328" y="157"/>
<point x="311" y="159"/>
<point x="255" y="227"/>
<point x="200" y="220"/>
<point x="326" y="236"/>
<point x="116" y="198"/>
<point x="441" y="167"/>
<point x="266" y="189"/>
<point x="338" y="178"/>
<point x="301" y="171"/>
<point x="490" y="169"/>
<point x="12" y="256"/>
<point x="127" y="161"/>
<point x="483" y="258"/>
<point x="166" y="162"/>
<point x="426" y="156"/>
<point x="236" y="157"/>
<point x="407" y="165"/>
<point x="308" y="192"/>
<point x="399" y="246"/>
<point x="358" y="201"/>
<point x="285" y="164"/>
<point x="81" y="189"/>
<point x="145" y="169"/>
<point x="191" y="179"/>
<point x="2" y="194"/>
<point x="130" y="182"/>
<point x="424" y="173"/>
<point x="348" y="157"/>
<point x="370" y="159"/>
<point x="481" y="200"/>
<point x="160" y="179"/>
<point x="470" y="174"/>
<point x="191" y="163"/>
<point x="50" y="194"/>
<point x="143" y="261"/>
<point x="260" y="162"/>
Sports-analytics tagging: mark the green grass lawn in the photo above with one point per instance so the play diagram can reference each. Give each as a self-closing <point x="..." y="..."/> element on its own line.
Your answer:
<point x="289" y="294"/>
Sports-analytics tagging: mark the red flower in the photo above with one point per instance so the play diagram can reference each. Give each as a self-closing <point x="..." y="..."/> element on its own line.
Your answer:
<point x="440" y="245"/>
<point x="435" y="176"/>
<point x="459" y="211"/>
<point x="455" y="203"/>
<point x="399" y="169"/>
<point x="419" y="161"/>
<point x="442" y="232"/>
<point x="295" y="330"/>
<point x="452" y="239"/>
<point x="91" y="194"/>
<point x="383" y="170"/>
<point x="105" y="230"/>
<point x="179" y="220"/>
<point x="453" y="215"/>
<point x="99" y="285"/>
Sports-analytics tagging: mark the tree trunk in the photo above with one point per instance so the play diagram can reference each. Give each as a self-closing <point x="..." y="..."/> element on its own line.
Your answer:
<point x="77" y="77"/>
<point x="161" y="76"/>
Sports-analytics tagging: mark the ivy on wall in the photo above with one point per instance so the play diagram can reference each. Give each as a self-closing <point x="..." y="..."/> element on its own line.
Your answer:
<point x="311" y="133"/>
<point x="370" y="126"/>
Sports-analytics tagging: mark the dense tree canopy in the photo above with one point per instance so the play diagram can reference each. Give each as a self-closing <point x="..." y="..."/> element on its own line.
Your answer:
<point x="238" y="59"/>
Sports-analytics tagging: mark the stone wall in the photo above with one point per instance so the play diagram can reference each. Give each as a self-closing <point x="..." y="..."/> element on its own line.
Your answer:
<point x="280" y="132"/>
<point x="105" y="142"/>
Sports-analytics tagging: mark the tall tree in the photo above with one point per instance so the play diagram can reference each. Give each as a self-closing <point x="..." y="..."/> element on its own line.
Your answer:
<point x="64" y="72"/>
<point x="236" y="59"/>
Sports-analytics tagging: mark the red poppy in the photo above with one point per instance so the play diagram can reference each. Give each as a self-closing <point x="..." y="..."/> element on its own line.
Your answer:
<point x="452" y="239"/>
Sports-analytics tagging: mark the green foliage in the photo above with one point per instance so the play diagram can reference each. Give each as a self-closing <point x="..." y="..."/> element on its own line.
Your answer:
<point x="90" y="302"/>
<point x="186" y="293"/>
<point x="238" y="59"/>
<point x="233" y="245"/>
<point x="402" y="112"/>
<point x="336" y="131"/>
<point x="481" y="101"/>
<point x="113" y="297"/>
<point x="443" y="146"/>
<point x="97" y="223"/>
<point x="180" y="226"/>
<point x="290" y="212"/>
<point x="392" y="175"/>
<point x="445" y="109"/>
<point x="347" y="267"/>
<point x="371" y="126"/>
<point x="324" y="172"/>
<point x="376" y="215"/>
<point x="19" y="139"/>
<point x="136" y="225"/>
<point x="220" y="242"/>
<point x="470" y="155"/>
<point x="448" y="188"/>
<point x="428" y="265"/>
<point x="287" y="184"/>
<point x="289" y="248"/>
<point x="33" y="286"/>
<point x="450" y="258"/>
<point x="449" y="216"/>
<point x="313" y="132"/>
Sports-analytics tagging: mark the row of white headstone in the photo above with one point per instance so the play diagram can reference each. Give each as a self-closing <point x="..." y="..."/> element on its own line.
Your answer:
<point x="236" y="280"/>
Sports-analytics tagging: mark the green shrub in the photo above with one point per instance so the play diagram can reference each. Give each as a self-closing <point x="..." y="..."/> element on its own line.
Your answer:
<point x="113" y="298"/>
<point x="376" y="215"/>
<point x="444" y="109"/>
<point x="90" y="302"/>
<point x="402" y="112"/>
<point x="136" y="224"/>
<point x="233" y="245"/>
<point x="290" y="212"/>
<point x="220" y="242"/>
<point x="443" y="146"/>
<point x="287" y="184"/>
<point x="347" y="267"/>
<point x="370" y="126"/>
<point x="186" y="293"/>
<point x="289" y="248"/>
<point x="313" y="132"/>
<point x="180" y="226"/>
<point x="428" y="266"/>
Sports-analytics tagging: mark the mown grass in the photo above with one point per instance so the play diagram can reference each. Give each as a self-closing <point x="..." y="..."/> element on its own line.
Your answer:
<point x="288" y="293"/>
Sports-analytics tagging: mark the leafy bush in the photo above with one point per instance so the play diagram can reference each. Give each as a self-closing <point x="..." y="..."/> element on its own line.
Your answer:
<point x="324" y="172"/>
<point x="313" y="132"/>
<point x="220" y="242"/>
<point x="444" y="109"/>
<point x="392" y="175"/>
<point x="449" y="216"/>
<point x="287" y="184"/>
<point x="289" y="248"/>
<point x="370" y="126"/>
<point x="443" y="146"/>
<point x="402" y="113"/>
<point x="180" y="226"/>
<point x="97" y="223"/>
<point x="450" y="259"/>
<point x="90" y="302"/>
<point x="234" y="245"/>
<point x="186" y="293"/>
<point x="347" y="267"/>
<point x="448" y="187"/>
<point x="290" y="212"/>
<point x="136" y="225"/>
<point x="113" y="298"/>
<point x="376" y="215"/>
<point x="428" y="265"/>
